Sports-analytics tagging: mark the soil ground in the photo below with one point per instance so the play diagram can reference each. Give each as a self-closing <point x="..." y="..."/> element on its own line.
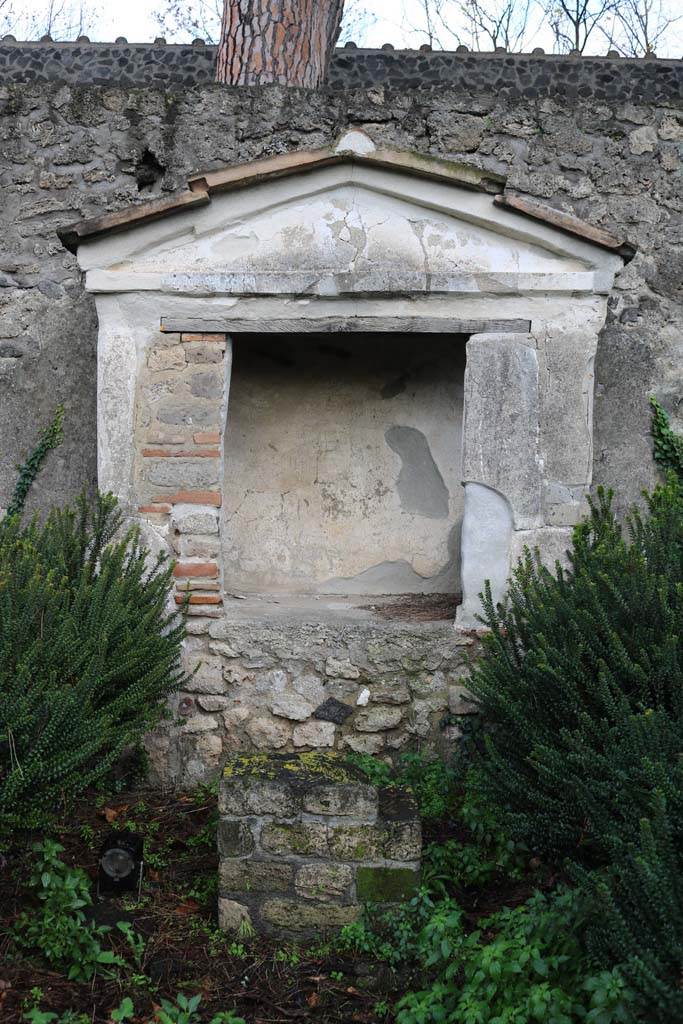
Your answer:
<point x="184" y="950"/>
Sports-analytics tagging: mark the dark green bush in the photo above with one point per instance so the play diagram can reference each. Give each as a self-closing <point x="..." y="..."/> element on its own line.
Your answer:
<point x="88" y="651"/>
<point x="581" y="685"/>
<point x="639" y="918"/>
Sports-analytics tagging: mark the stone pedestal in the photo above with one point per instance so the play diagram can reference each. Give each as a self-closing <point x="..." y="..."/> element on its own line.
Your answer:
<point x="303" y="842"/>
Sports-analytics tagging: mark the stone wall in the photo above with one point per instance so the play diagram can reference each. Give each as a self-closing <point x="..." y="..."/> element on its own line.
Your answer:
<point x="272" y="678"/>
<point x="515" y="76"/>
<point x="304" y="841"/>
<point x="613" y="156"/>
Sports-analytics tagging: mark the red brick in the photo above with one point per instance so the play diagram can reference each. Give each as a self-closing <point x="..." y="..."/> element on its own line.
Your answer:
<point x="199" y="599"/>
<point x="159" y="507"/>
<point x="195" y="569"/>
<point x="192" y="498"/>
<point x="207" y="437"/>
<point x="167" y="453"/>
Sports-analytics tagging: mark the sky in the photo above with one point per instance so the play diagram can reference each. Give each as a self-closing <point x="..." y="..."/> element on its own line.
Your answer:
<point x="395" y="21"/>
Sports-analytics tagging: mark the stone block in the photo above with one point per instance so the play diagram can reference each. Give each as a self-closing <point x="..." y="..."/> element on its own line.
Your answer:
<point x="341" y="668"/>
<point x="252" y="795"/>
<point x="403" y="841"/>
<point x="321" y="881"/>
<point x="386" y="884"/>
<point x="235" y="838"/>
<point x="240" y="875"/>
<point x="233" y="916"/>
<point x="297" y="916"/>
<point x="303" y="839"/>
<point x="268" y="733"/>
<point x="378" y="719"/>
<point x="353" y="799"/>
<point x="195" y="519"/>
<point x="356" y="842"/>
<point x="166" y="359"/>
<point x="289" y="705"/>
<point x="333" y="710"/>
<point x="314" y="734"/>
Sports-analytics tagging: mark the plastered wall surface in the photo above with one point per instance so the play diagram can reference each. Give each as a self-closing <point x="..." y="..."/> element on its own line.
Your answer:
<point x="343" y="464"/>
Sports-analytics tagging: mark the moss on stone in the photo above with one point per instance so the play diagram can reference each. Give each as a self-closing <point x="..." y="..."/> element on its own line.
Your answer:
<point x="386" y="885"/>
<point x="326" y="766"/>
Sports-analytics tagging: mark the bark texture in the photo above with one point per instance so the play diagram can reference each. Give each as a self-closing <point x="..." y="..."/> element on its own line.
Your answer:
<point x="283" y="42"/>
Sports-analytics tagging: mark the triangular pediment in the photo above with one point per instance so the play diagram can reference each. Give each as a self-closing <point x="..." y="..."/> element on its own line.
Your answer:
<point x="343" y="227"/>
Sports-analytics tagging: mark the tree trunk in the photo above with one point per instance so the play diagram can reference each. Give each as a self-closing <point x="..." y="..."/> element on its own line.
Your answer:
<point x="285" y="42"/>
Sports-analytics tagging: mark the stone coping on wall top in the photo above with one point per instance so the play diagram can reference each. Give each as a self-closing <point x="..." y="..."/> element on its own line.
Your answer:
<point x="387" y="50"/>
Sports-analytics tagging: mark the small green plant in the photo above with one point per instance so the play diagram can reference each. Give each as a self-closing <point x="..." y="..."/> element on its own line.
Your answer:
<point x="124" y="1011"/>
<point x="51" y="438"/>
<point x="290" y="956"/>
<point x="135" y="941"/>
<point x="430" y="779"/>
<point x="58" y="929"/>
<point x="185" y="1011"/>
<point x="668" y="446"/>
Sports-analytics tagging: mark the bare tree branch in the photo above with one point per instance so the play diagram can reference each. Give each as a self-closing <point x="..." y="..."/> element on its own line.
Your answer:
<point x="61" y="19"/>
<point x="574" y="21"/>
<point x="638" y="27"/>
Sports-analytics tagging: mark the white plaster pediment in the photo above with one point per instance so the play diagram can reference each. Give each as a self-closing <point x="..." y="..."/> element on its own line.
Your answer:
<point x="346" y="229"/>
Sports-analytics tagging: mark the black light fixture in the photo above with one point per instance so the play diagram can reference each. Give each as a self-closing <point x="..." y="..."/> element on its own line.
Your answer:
<point x="121" y="864"/>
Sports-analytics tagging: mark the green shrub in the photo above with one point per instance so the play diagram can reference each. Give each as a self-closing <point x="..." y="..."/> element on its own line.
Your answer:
<point x="581" y="685"/>
<point x="88" y="651"/>
<point x="639" y="918"/>
<point x="521" y="965"/>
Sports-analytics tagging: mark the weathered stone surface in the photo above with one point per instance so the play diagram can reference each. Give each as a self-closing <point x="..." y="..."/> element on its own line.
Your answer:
<point x="503" y="413"/>
<point x="267" y="734"/>
<point x="354" y="799"/>
<point x="235" y="838"/>
<point x="322" y="881"/>
<point x="403" y="841"/>
<point x="357" y="842"/>
<point x="304" y="839"/>
<point x="333" y="710"/>
<point x="385" y="884"/>
<point x="293" y="915"/>
<point x="232" y="916"/>
<point x="314" y="734"/>
<point x="245" y="875"/>
<point x="292" y="706"/>
<point x="341" y="668"/>
<point x="377" y="719"/>
<point x="252" y="795"/>
<point x="194" y="519"/>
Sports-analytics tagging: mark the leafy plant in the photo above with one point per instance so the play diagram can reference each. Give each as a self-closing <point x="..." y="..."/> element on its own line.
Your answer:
<point x="430" y="779"/>
<point x="184" y="1011"/>
<point x="668" y="446"/>
<point x="532" y="969"/>
<point x="88" y="651"/>
<point x="581" y="685"/>
<point x="59" y="929"/>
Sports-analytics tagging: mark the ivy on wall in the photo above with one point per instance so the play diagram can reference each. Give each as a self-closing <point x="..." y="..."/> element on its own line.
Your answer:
<point x="51" y="438"/>
<point x="668" y="446"/>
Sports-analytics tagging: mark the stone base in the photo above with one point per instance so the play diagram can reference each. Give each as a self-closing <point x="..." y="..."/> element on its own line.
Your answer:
<point x="320" y="674"/>
<point x="303" y="841"/>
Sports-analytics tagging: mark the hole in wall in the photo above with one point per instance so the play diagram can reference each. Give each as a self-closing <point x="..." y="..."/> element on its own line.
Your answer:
<point x="148" y="170"/>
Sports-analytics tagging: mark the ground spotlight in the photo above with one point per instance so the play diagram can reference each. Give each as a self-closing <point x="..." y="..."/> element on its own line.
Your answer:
<point x="121" y="864"/>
